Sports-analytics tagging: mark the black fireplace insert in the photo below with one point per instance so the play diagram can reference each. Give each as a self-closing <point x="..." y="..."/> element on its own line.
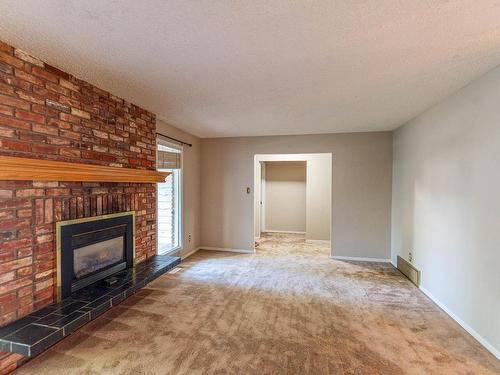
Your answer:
<point x="93" y="249"/>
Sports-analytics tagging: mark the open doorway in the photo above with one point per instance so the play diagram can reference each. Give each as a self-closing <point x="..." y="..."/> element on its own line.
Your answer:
<point x="292" y="198"/>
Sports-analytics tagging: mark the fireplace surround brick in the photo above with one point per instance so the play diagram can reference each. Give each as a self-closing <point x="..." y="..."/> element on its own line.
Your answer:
<point x="46" y="113"/>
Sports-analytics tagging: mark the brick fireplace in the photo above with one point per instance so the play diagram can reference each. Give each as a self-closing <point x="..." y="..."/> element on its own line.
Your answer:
<point x="46" y="113"/>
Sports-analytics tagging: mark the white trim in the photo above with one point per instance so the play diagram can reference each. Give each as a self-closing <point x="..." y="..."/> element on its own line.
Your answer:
<point x="319" y="242"/>
<point x="262" y="201"/>
<point x="282" y="231"/>
<point x="464" y="325"/>
<point x="362" y="259"/>
<point x="244" y="251"/>
<point x="298" y="157"/>
<point x="180" y="198"/>
<point x="190" y="253"/>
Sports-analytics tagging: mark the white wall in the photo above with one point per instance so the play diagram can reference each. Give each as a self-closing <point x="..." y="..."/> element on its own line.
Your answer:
<point x="446" y="204"/>
<point x="259" y="182"/>
<point x="191" y="186"/>
<point x="285" y="198"/>
<point x="361" y="191"/>
<point x="319" y="191"/>
<point x="262" y="186"/>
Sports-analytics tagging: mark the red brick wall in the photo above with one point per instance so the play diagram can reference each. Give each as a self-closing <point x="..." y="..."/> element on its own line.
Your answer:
<point x="47" y="113"/>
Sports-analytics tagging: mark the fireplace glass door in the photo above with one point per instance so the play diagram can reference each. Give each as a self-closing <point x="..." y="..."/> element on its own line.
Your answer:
<point x="95" y="257"/>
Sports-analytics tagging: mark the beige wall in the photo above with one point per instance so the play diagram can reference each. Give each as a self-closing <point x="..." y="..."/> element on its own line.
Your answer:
<point x="446" y="203"/>
<point x="318" y="214"/>
<point x="362" y="175"/>
<point x="191" y="185"/>
<point x="285" y="197"/>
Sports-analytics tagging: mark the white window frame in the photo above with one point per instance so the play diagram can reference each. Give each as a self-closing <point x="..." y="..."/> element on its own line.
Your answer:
<point x="179" y="198"/>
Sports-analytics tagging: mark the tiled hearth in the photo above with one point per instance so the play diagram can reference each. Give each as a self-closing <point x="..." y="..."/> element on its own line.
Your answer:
<point x="36" y="332"/>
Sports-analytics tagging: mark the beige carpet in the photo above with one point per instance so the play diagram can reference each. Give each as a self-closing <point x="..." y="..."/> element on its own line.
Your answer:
<point x="289" y="309"/>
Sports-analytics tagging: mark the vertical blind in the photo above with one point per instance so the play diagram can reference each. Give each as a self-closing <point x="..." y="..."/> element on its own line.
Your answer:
<point x="168" y="157"/>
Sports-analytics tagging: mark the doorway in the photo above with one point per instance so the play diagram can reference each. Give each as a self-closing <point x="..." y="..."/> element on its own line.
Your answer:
<point x="292" y="197"/>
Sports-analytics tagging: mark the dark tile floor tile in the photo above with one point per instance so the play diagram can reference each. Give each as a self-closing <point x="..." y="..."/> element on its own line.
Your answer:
<point x="137" y="284"/>
<point x="44" y="312"/>
<point x="76" y="323"/>
<point x="117" y="291"/>
<point x="5" y="346"/>
<point x="90" y="293"/>
<point x="33" y="339"/>
<point x="50" y="319"/>
<point x="59" y="321"/>
<point x="98" y="302"/>
<point x="24" y="350"/>
<point x="71" y="308"/>
<point x="18" y="324"/>
<point x="51" y="308"/>
<point x="165" y="259"/>
<point x="118" y="298"/>
<point x="45" y="343"/>
<point x="95" y="312"/>
<point x="69" y="322"/>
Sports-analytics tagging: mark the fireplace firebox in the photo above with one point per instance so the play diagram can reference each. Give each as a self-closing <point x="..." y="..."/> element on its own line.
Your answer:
<point x="92" y="249"/>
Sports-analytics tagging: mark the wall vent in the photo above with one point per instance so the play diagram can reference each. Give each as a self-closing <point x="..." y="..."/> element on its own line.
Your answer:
<point x="409" y="271"/>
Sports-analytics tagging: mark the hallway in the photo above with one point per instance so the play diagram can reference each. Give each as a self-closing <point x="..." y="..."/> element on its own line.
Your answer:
<point x="287" y="309"/>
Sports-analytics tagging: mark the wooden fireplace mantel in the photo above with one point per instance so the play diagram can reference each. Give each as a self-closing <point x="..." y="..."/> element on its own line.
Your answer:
<point x="26" y="169"/>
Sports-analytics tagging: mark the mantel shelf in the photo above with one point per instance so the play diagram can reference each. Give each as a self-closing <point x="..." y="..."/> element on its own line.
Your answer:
<point x="26" y="169"/>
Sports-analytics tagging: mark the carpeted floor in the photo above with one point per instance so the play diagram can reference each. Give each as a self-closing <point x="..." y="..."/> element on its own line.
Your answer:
<point x="288" y="309"/>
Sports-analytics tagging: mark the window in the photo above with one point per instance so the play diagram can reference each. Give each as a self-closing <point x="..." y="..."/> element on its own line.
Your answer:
<point x="169" y="158"/>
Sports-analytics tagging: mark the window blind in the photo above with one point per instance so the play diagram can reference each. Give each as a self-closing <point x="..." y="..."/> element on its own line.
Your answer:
<point x="168" y="157"/>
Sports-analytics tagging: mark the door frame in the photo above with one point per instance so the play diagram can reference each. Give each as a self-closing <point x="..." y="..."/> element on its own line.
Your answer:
<point x="180" y="219"/>
<point x="258" y="158"/>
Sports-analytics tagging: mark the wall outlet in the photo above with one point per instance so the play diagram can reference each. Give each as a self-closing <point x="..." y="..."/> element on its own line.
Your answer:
<point x="189" y="237"/>
<point x="410" y="257"/>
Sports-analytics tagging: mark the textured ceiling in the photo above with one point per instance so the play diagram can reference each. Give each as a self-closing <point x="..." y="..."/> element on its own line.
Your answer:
<point x="232" y="68"/>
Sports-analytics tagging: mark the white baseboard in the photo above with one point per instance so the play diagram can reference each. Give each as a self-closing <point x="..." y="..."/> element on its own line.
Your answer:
<point x="362" y="259"/>
<point x="464" y="325"/>
<point x="243" y="251"/>
<point x="319" y="242"/>
<point x="190" y="253"/>
<point x="282" y="231"/>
